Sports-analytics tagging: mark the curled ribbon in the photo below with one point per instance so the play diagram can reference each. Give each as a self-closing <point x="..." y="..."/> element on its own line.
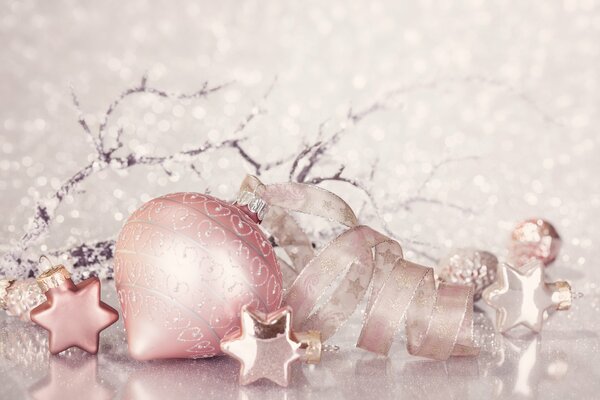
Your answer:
<point x="439" y="321"/>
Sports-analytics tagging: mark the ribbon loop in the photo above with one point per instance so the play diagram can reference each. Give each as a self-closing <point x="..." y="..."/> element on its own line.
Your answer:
<point x="439" y="321"/>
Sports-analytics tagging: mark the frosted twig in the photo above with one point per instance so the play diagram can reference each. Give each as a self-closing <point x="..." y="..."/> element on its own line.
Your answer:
<point x="13" y="261"/>
<point x="302" y="164"/>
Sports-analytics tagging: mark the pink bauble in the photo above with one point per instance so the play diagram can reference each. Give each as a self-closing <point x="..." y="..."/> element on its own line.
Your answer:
<point x="534" y="239"/>
<point x="185" y="264"/>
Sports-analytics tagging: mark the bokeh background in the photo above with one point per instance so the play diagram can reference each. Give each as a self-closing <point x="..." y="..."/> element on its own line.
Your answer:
<point x="476" y="115"/>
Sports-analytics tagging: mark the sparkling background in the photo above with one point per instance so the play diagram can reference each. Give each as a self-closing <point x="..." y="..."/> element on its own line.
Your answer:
<point x="504" y="95"/>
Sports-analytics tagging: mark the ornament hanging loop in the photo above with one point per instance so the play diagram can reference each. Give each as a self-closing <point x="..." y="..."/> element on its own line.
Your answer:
<point x="51" y="264"/>
<point x="576" y="295"/>
<point x="331" y="348"/>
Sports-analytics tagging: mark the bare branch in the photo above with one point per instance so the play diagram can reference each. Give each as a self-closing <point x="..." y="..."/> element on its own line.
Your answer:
<point x="436" y="167"/>
<point x="303" y="164"/>
<point x="411" y="201"/>
<point x="256" y="110"/>
<point x="314" y="153"/>
<point x="39" y="224"/>
<point x="83" y="123"/>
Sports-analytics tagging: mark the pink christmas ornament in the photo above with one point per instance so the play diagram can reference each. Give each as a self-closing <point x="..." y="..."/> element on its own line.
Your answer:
<point x="534" y="239"/>
<point x="266" y="346"/>
<point x="19" y="297"/>
<point x="73" y="314"/>
<point x="469" y="267"/>
<point x="185" y="264"/>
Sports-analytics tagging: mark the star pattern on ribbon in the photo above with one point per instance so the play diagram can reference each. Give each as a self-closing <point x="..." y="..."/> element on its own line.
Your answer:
<point x="389" y="257"/>
<point x="439" y="319"/>
<point x="356" y="288"/>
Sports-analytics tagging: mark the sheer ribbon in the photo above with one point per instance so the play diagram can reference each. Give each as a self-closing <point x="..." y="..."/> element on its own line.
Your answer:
<point x="439" y="321"/>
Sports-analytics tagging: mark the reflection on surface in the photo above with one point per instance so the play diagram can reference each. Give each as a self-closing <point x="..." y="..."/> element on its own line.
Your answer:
<point x="267" y="391"/>
<point x="521" y="367"/>
<point x="182" y="379"/>
<point x="518" y="367"/>
<point x="457" y="378"/>
<point x="215" y="378"/>
<point x="24" y="345"/>
<point x="69" y="378"/>
<point x="515" y="371"/>
<point x="508" y="367"/>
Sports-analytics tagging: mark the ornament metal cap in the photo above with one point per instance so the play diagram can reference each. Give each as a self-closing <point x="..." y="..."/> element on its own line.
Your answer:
<point x="53" y="278"/>
<point x="252" y="204"/>
<point x="562" y="295"/>
<point x="311" y="345"/>
<point x="4" y="286"/>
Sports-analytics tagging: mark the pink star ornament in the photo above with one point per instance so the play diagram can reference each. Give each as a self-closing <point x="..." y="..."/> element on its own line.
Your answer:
<point x="73" y="314"/>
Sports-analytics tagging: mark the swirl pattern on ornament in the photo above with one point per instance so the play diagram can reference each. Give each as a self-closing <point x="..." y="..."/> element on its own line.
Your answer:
<point x="185" y="263"/>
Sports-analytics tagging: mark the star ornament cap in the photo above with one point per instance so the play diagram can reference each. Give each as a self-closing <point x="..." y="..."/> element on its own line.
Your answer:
<point x="266" y="346"/>
<point x="73" y="314"/>
<point x="522" y="297"/>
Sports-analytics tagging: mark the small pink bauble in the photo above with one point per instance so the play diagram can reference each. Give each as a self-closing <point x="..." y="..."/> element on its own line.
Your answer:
<point x="469" y="267"/>
<point x="534" y="239"/>
<point x="185" y="264"/>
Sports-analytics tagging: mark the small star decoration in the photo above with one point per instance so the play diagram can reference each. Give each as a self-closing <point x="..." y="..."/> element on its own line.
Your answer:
<point x="521" y="296"/>
<point x="264" y="346"/>
<point x="356" y="288"/>
<point x="74" y="315"/>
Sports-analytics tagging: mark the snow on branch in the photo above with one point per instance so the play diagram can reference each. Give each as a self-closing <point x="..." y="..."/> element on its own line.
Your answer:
<point x="109" y="154"/>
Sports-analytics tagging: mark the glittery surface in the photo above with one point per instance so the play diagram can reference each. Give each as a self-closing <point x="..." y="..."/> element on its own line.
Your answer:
<point x="480" y="115"/>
